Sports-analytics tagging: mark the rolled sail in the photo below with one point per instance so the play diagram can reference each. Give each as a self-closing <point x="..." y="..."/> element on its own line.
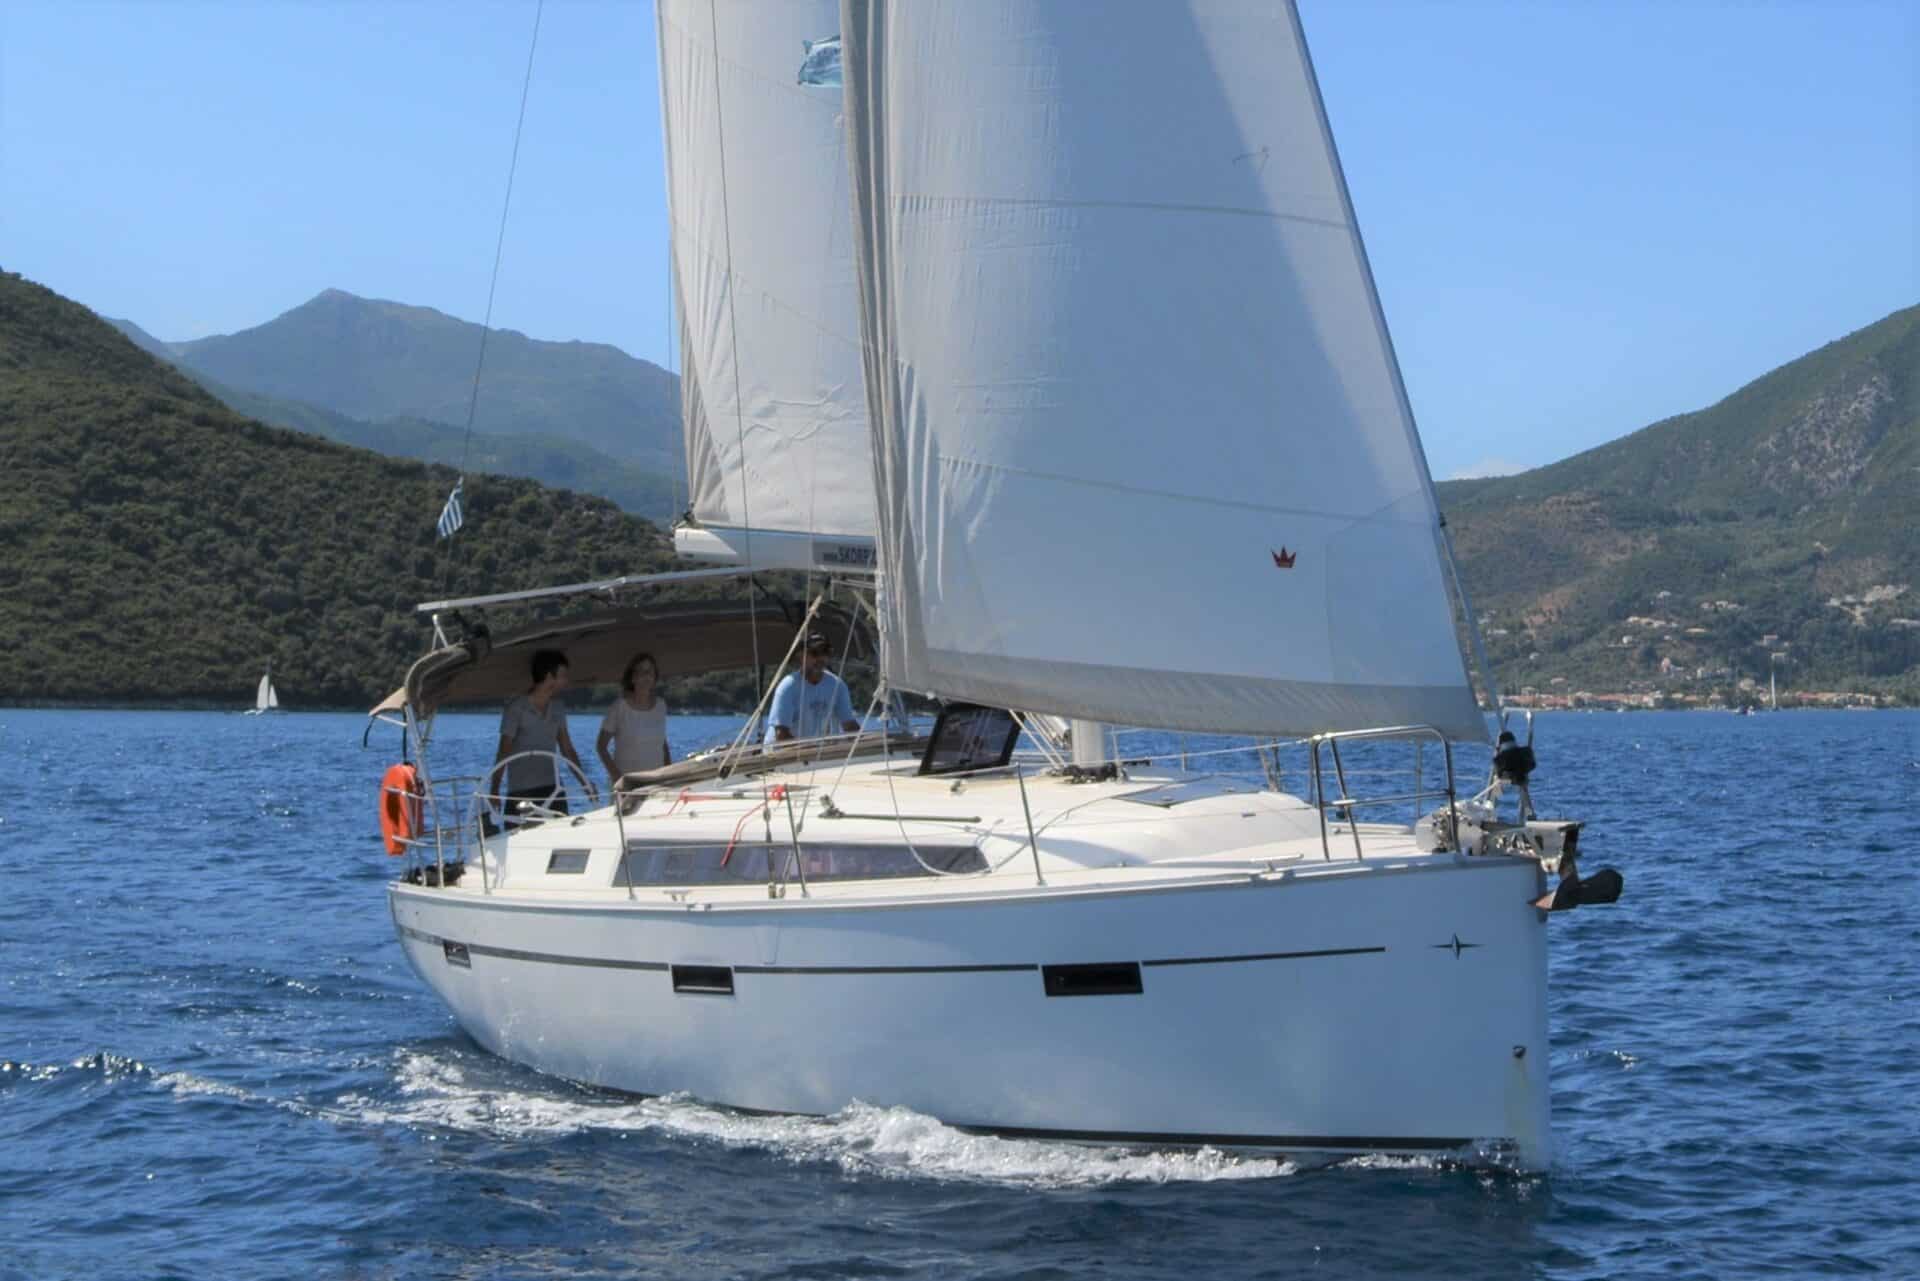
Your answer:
<point x="772" y="401"/>
<point x="1140" y="441"/>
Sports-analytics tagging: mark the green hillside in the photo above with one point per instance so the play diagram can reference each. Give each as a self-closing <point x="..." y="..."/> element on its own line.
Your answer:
<point x="1664" y="560"/>
<point x="162" y="548"/>
<point x="375" y="360"/>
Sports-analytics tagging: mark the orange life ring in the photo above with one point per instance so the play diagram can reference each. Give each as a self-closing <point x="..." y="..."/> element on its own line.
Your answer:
<point x="399" y="807"/>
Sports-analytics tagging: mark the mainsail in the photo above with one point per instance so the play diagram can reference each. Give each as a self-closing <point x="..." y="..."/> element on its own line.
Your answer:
<point x="1141" y="445"/>
<point x="772" y="400"/>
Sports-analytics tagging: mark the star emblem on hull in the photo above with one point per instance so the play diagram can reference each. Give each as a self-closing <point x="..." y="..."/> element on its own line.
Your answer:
<point x="1456" y="947"/>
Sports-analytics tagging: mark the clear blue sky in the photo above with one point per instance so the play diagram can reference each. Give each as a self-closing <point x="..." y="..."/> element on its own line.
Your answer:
<point x="1584" y="217"/>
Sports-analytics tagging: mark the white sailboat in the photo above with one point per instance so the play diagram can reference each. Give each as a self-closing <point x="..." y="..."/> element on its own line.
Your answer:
<point x="1091" y="409"/>
<point x="265" y="697"/>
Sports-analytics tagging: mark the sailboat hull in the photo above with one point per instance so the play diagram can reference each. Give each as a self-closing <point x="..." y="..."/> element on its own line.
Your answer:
<point x="1390" y="1008"/>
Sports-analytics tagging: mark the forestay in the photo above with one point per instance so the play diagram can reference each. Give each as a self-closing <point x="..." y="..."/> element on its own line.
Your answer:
<point x="1141" y="445"/>
<point x="773" y="406"/>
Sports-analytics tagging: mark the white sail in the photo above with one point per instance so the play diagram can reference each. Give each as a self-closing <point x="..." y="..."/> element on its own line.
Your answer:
<point x="1141" y="445"/>
<point x="773" y="404"/>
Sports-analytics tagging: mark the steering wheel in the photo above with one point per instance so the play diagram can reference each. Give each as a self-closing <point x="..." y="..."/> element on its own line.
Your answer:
<point x="542" y="808"/>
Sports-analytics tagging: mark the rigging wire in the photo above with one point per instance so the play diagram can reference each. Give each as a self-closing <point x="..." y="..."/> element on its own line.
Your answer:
<point x="676" y="346"/>
<point x="733" y="325"/>
<point x="733" y="334"/>
<point x="674" y="354"/>
<point x="1473" y="625"/>
<point x="493" y="281"/>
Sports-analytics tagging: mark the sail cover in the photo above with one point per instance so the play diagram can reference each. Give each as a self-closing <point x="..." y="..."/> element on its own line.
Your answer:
<point x="1141" y="446"/>
<point x="772" y="401"/>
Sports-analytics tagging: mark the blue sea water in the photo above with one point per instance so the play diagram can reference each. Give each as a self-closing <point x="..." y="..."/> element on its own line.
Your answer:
<point x="214" y="1062"/>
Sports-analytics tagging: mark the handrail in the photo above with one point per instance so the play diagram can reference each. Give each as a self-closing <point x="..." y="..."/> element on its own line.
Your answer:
<point x="471" y="796"/>
<point x="1347" y="803"/>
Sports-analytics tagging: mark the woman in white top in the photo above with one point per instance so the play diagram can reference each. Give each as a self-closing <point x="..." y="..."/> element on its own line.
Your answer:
<point x="636" y="724"/>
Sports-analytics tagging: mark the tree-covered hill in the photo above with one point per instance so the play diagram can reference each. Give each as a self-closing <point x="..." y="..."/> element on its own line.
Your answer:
<point x="1784" y="520"/>
<point x="160" y="548"/>
<point x="375" y="360"/>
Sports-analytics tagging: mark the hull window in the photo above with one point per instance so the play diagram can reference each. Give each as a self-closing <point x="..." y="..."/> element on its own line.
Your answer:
<point x="456" y="954"/>
<point x="1113" y="979"/>
<point x="703" y="980"/>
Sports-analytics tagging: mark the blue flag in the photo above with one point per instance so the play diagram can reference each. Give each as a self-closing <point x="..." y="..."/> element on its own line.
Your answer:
<point x="450" y="515"/>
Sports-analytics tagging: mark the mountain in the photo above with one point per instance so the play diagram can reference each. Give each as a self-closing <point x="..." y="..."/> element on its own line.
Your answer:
<point x="1784" y="520"/>
<point x="553" y="461"/>
<point x="162" y="548"/>
<point x="371" y="360"/>
<point x="651" y="490"/>
<point x="142" y="339"/>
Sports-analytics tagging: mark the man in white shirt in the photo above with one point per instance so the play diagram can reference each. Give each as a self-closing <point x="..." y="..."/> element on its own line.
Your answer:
<point x="809" y="703"/>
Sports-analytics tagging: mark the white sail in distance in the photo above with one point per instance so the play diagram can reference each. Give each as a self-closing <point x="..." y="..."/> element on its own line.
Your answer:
<point x="772" y="399"/>
<point x="1141" y="445"/>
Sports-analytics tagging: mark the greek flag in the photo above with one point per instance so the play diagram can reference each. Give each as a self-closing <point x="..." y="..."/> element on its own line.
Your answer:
<point x="450" y="515"/>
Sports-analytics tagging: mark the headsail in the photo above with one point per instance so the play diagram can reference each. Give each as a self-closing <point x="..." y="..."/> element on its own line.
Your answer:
<point x="772" y="400"/>
<point x="1141" y="446"/>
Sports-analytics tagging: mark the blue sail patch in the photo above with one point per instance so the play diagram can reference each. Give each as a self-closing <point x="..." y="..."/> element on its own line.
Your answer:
<point x="821" y="66"/>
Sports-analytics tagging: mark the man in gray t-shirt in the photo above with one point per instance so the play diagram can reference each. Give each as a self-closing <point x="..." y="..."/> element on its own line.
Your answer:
<point x="536" y="722"/>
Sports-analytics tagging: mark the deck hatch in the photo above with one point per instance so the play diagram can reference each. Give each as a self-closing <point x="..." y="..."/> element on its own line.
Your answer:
<point x="703" y="980"/>
<point x="970" y="737"/>
<point x="456" y="954"/>
<point x="571" y="862"/>
<point x="1111" y="978"/>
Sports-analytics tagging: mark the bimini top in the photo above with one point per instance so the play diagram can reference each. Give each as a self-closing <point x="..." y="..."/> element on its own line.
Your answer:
<point x="686" y="638"/>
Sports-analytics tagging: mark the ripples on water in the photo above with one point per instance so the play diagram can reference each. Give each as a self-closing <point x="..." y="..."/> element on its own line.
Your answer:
<point x="215" y="1063"/>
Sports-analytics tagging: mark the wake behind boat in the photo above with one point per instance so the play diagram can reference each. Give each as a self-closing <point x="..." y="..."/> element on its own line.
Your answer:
<point x="1090" y="418"/>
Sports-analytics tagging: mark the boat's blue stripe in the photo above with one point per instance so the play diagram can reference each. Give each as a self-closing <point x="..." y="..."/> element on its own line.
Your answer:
<point x="552" y="958"/>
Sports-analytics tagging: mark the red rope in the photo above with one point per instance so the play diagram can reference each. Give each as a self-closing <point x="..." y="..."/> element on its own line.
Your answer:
<point x="778" y="793"/>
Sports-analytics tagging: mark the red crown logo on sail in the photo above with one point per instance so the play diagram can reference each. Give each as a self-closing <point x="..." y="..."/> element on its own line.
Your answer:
<point x="1283" y="558"/>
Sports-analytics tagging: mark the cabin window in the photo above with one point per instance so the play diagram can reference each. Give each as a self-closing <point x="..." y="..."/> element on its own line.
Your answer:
<point x="1168" y="795"/>
<point x="571" y="862"/>
<point x="748" y="862"/>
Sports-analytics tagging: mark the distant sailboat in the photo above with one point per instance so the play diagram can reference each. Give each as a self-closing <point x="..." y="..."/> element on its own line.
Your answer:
<point x="265" y="699"/>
